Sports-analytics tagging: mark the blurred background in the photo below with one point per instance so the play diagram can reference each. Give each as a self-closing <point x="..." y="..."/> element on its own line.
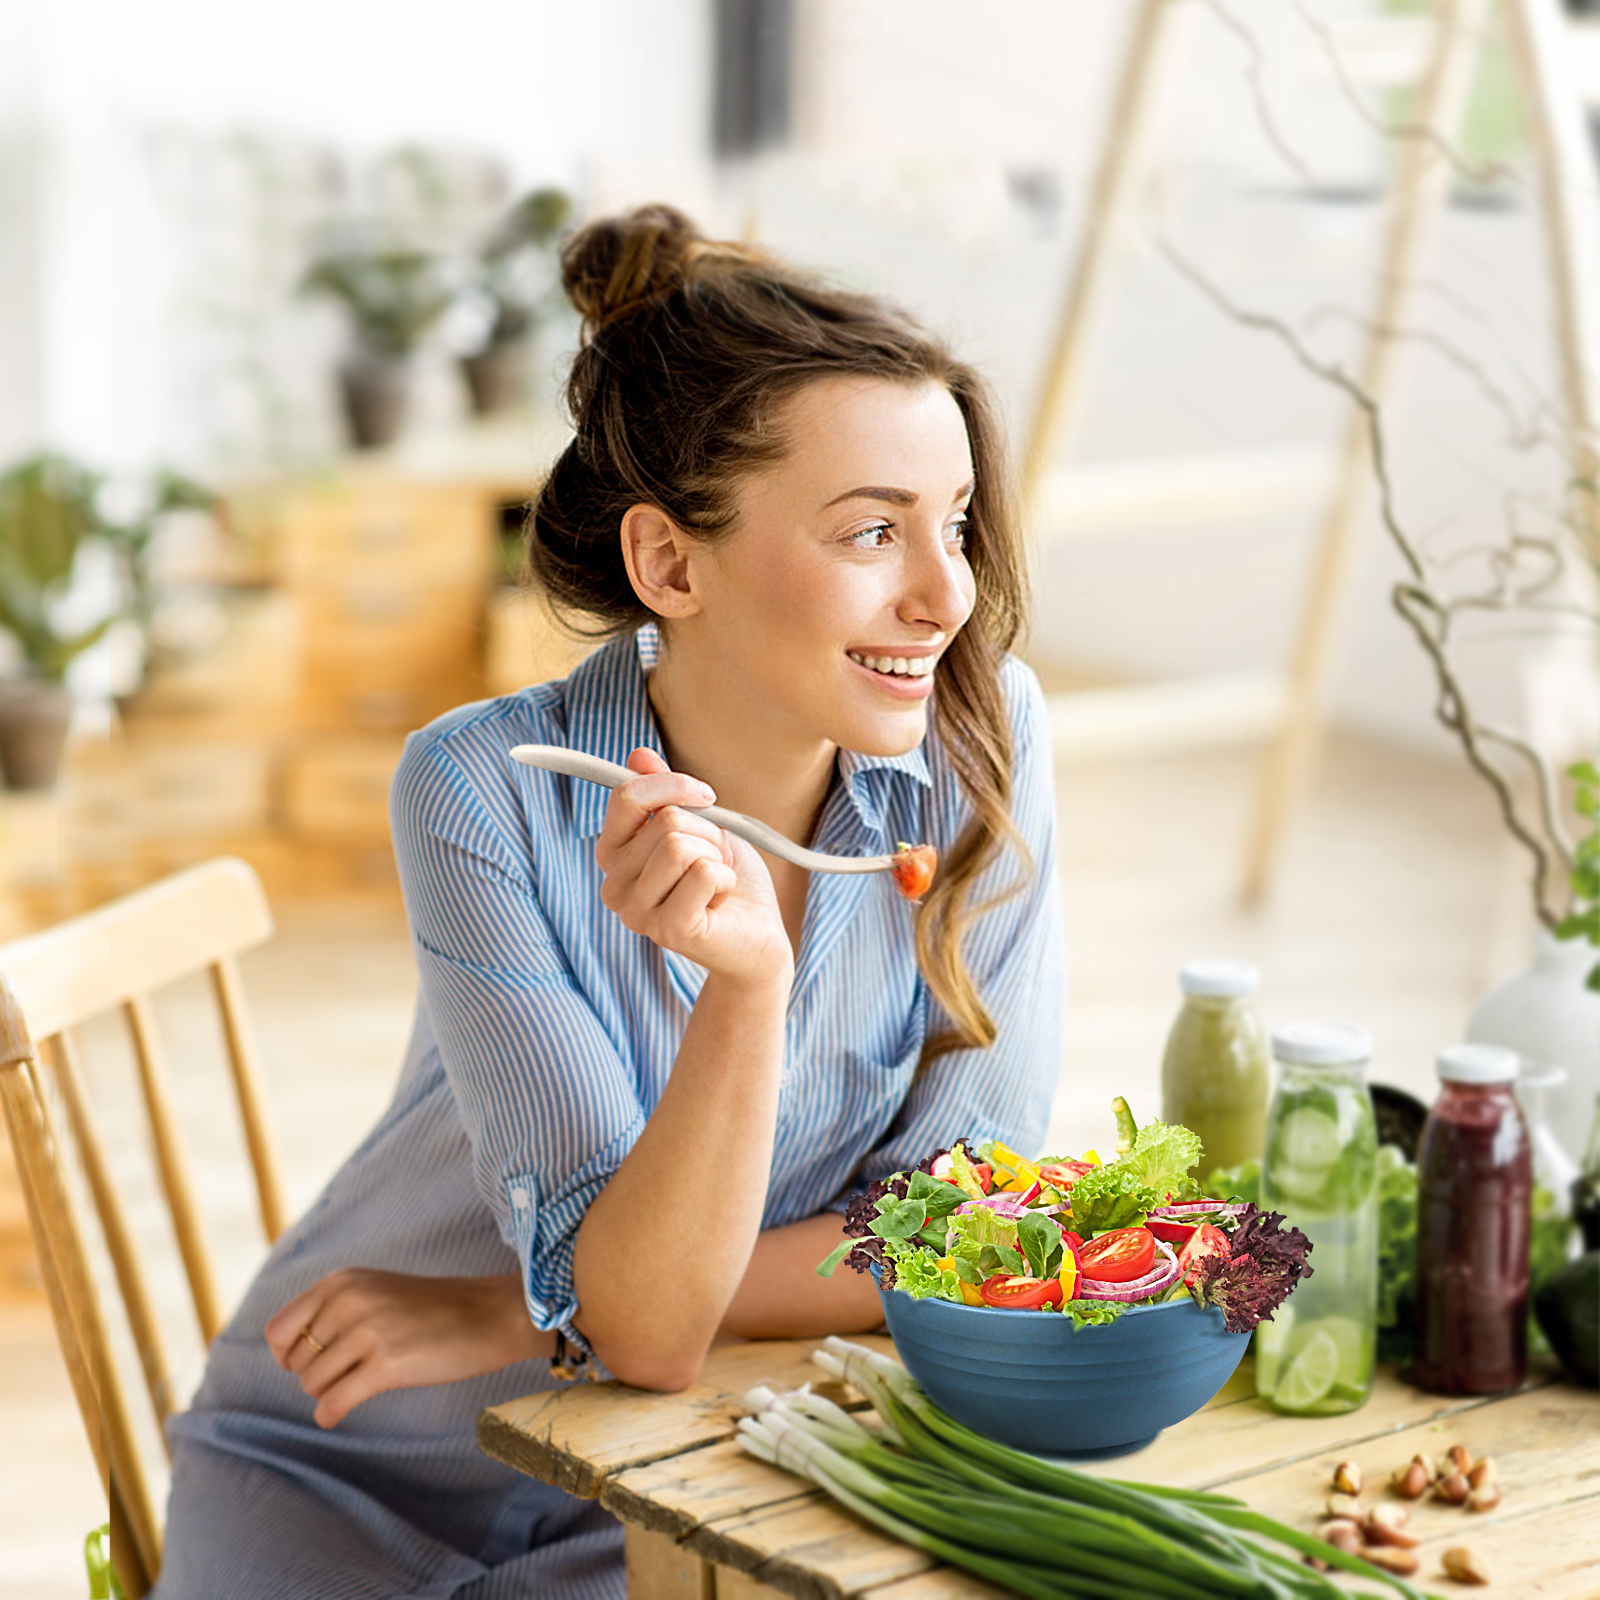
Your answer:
<point x="281" y="349"/>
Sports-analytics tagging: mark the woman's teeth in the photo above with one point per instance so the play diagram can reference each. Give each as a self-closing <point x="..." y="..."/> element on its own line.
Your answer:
<point x="897" y="666"/>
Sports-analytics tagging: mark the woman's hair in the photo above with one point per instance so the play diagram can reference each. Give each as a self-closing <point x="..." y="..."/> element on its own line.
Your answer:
<point x="690" y="347"/>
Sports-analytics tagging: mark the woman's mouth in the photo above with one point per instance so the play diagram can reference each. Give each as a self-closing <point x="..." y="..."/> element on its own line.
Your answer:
<point x="895" y="666"/>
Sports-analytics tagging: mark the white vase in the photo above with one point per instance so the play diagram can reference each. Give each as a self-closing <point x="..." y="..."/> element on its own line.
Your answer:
<point x="1547" y="1015"/>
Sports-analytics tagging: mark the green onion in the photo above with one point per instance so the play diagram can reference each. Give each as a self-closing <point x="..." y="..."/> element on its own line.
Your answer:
<point x="1044" y="1530"/>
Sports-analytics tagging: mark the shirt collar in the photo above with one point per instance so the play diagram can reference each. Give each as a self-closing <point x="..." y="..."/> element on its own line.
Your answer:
<point x="609" y="715"/>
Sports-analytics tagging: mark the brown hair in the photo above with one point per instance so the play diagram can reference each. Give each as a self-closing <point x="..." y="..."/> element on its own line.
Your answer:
<point x="689" y="348"/>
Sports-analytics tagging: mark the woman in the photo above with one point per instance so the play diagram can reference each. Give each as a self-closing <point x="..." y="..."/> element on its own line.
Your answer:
<point x="650" y="1064"/>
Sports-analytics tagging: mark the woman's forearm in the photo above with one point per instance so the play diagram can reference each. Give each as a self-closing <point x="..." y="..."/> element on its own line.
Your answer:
<point x="665" y="1244"/>
<point x="780" y="1295"/>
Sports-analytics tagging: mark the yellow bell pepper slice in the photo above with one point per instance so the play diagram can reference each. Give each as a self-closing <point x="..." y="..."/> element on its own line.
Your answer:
<point x="1068" y="1274"/>
<point x="1003" y="1158"/>
<point x="1093" y="1158"/>
<point x="969" y="1291"/>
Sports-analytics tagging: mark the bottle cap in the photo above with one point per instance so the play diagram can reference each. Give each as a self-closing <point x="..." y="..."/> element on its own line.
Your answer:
<point x="1219" y="980"/>
<point x="1477" y="1063"/>
<point x="1322" y="1044"/>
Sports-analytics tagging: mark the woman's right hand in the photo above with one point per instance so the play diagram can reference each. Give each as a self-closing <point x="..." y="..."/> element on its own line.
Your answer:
<point x="686" y="884"/>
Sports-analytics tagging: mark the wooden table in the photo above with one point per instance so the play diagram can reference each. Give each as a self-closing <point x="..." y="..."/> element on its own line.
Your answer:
<point x="706" y="1521"/>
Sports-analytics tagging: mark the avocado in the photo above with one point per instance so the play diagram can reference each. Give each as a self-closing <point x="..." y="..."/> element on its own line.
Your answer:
<point x="1567" y="1306"/>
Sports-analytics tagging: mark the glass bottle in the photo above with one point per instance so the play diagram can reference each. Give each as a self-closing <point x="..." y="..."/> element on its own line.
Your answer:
<point x="1474" y="1188"/>
<point x="1320" y="1169"/>
<point x="1586" y="1189"/>
<point x="1215" y="1073"/>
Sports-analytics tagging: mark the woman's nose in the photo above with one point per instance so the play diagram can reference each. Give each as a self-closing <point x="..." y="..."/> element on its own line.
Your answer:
<point x="939" y="586"/>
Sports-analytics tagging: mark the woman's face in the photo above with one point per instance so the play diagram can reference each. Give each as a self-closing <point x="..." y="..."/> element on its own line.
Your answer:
<point x="828" y="608"/>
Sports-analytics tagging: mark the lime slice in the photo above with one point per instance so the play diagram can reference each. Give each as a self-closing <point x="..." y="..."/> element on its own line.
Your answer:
<point x="1310" y="1375"/>
<point x="1350" y="1340"/>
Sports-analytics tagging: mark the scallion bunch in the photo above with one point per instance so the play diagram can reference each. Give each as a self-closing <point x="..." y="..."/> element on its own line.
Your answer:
<point x="1034" y="1526"/>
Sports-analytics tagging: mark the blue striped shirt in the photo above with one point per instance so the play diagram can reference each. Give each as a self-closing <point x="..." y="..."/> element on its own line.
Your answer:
<point x="557" y="1026"/>
<point x="544" y="1036"/>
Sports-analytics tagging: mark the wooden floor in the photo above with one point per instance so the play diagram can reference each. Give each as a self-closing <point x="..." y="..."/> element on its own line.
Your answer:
<point x="1397" y="904"/>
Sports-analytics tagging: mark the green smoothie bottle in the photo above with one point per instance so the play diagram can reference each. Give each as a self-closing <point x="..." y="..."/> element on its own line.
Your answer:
<point x="1314" y="1357"/>
<point x="1216" y="1071"/>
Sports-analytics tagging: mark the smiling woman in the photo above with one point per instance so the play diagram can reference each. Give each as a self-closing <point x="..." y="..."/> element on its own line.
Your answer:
<point x="651" y="1063"/>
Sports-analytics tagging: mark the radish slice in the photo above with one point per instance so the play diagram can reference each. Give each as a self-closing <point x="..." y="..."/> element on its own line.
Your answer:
<point x="1153" y="1282"/>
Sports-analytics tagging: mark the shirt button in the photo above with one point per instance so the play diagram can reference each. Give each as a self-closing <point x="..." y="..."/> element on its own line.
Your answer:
<point x="519" y="1198"/>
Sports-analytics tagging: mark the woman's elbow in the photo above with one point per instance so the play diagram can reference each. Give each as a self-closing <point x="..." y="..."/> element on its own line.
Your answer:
<point x="662" y="1369"/>
<point x="646" y="1359"/>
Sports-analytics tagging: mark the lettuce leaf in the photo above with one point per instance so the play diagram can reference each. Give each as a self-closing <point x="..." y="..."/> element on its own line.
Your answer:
<point x="1112" y="1196"/>
<point x="1084" y="1312"/>
<point x="917" y="1271"/>
<point x="1162" y="1155"/>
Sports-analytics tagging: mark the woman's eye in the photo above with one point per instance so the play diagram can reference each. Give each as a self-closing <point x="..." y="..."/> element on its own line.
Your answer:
<point x="873" y="538"/>
<point x="956" y="534"/>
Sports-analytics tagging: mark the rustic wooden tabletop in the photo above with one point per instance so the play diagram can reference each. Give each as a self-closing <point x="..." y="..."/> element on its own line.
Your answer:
<point x="706" y="1521"/>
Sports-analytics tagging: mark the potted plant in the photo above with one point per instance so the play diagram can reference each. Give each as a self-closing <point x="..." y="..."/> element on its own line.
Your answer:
<point x="515" y="287"/>
<point x="393" y="296"/>
<point x="52" y="510"/>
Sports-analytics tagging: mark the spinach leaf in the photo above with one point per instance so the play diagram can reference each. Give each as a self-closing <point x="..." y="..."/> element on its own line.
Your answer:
<point x="1040" y="1239"/>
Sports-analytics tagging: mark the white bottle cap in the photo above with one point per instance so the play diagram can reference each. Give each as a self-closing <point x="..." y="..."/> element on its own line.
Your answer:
<point x="1322" y="1044"/>
<point x="1477" y="1063"/>
<point x="1219" y="980"/>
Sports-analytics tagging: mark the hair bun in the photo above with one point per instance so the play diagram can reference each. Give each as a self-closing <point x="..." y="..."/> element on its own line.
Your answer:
<point x="618" y="264"/>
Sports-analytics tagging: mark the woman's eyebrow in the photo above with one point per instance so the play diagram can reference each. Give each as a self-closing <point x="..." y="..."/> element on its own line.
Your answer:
<point x="895" y="497"/>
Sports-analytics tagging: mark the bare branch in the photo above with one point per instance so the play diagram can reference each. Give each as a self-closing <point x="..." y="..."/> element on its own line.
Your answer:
<point x="1430" y="616"/>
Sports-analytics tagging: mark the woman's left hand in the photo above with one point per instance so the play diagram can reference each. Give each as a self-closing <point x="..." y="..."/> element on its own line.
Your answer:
<point x="358" y="1333"/>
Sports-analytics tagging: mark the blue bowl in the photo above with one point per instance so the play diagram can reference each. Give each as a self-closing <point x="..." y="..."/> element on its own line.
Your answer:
<point x="1033" y="1381"/>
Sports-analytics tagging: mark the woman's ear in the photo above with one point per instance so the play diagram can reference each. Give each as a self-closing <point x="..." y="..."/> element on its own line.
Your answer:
<point x="656" y="552"/>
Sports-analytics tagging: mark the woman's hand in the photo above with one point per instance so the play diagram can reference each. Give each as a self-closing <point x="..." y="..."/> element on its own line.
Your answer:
<point x="683" y="882"/>
<point x="358" y="1333"/>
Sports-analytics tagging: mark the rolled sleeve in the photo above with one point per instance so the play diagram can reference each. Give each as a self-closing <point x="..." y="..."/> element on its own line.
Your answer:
<point x="548" y="1103"/>
<point x="1015" y="952"/>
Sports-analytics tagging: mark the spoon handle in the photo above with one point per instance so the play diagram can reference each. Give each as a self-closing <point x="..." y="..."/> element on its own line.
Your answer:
<point x="576" y="764"/>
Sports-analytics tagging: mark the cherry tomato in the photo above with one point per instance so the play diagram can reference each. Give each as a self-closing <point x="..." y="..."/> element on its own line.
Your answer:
<point x="1208" y="1240"/>
<point x="1021" y="1294"/>
<point x="1178" y="1233"/>
<point x="913" y="869"/>
<point x="1061" y="1175"/>
<point x="1119" y="1256"/>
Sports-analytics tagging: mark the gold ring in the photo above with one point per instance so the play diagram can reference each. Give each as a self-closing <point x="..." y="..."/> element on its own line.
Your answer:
<point x="306" y="1334"/>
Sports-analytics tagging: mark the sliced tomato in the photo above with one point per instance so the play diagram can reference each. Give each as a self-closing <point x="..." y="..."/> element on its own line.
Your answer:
<point x="1178" y="1233"/>
<point x="1021" y="1294"/>
<point x="913" y="869"/>
<point x="981" y="1170"/>
<point x="1119" y="1256"/>
<point x="1208" y="1240"/>
<point x="1061" y="1175"/>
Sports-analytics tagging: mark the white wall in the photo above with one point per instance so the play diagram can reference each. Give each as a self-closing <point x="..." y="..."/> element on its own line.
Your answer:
<point x="932" y="140"/>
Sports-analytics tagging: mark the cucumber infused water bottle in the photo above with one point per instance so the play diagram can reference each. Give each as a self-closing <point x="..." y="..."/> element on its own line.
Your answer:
<point x="1320" y="1169"/>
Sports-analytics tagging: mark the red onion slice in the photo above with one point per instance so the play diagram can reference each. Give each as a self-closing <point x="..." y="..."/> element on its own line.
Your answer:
<point x="1202" y="1208"/>
<point x="1153" y="1282"/>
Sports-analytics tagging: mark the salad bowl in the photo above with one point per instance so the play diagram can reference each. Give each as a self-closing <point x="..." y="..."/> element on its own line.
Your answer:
<point x="1040" y="1384"/>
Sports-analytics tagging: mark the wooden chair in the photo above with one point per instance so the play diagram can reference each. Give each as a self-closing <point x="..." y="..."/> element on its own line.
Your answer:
<point x="109" y="960"/>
